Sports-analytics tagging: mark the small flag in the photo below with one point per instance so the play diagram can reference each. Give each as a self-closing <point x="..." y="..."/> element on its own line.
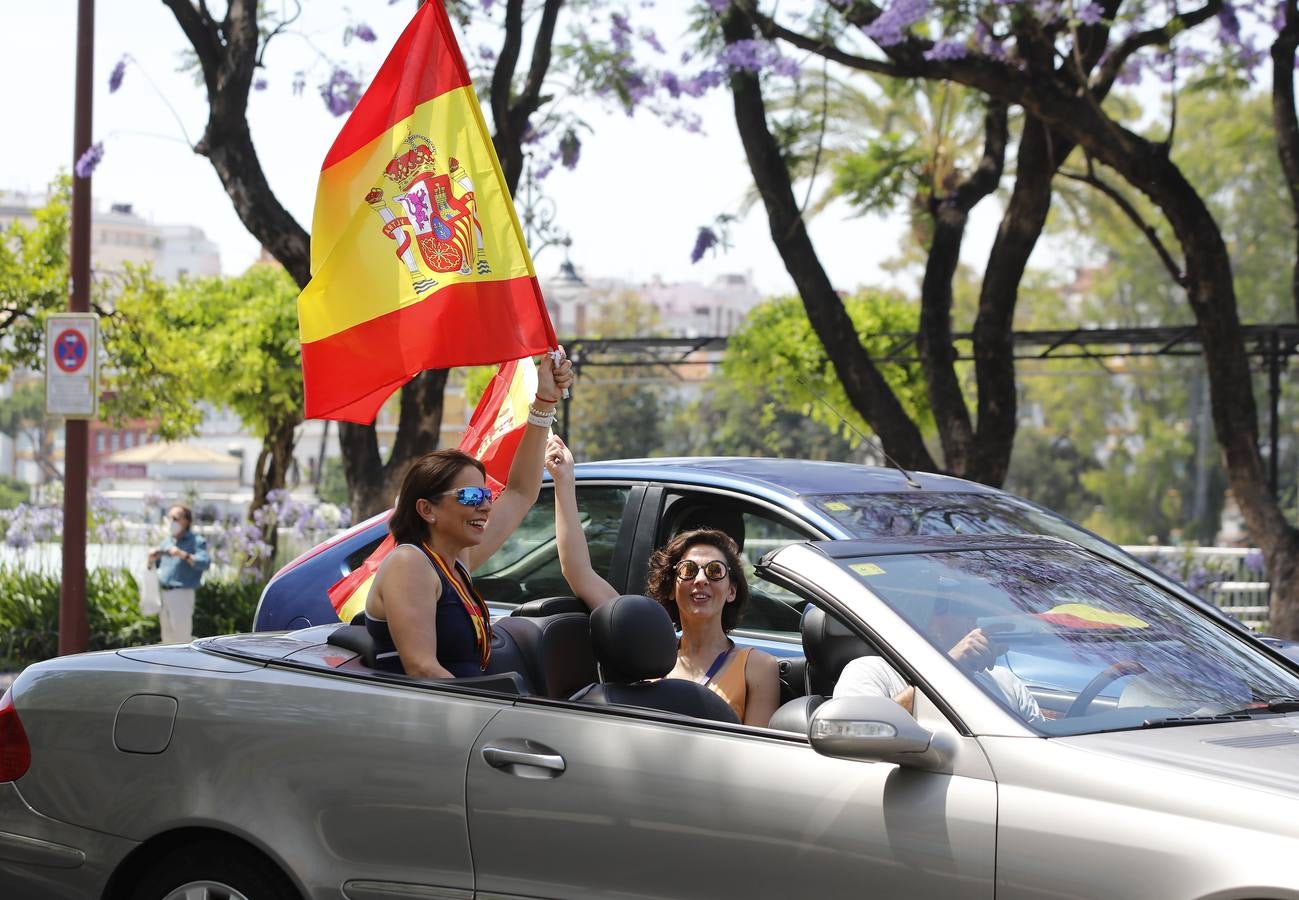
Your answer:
<point x="417" y="257"/>
<point x="493" y="436"/>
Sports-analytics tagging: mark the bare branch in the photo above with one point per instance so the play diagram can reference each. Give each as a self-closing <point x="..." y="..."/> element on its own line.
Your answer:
<point x="506" y="62"/>
<point x="542" y="46"/>
<point x="201" y="32"/>
<point x="1091" y="178"/>
<point x="280" y="28"/>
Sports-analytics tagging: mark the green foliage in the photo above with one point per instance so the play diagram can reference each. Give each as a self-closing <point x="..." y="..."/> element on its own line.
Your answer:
<point x="1049" y="469"/>
<point x="29" y="613"/>
<point x="225" y="607"/>
<point x="230" y="341"/>
<point x="733" y="419"/>
<point x="877" y="178"/>
<point x="13" y="491"/>
<point x="33" y="279"/>
<point x="776" y="353"/>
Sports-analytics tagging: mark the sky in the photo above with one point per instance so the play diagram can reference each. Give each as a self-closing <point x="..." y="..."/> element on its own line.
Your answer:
<point x="632" y="207"/>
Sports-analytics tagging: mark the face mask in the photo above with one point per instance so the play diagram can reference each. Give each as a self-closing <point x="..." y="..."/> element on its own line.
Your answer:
<point x="176" y="529"/>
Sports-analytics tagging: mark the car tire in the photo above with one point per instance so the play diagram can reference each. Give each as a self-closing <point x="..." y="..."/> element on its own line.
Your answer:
<point x="212" y="870"/>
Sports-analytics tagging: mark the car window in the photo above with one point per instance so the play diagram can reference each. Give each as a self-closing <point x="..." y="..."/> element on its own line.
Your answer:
<point x="1097" y="647"/>
<point x="526" y="567"/>
<point x="772" y="610"/>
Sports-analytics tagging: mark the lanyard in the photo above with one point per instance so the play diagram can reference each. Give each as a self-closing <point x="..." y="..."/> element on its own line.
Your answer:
<point x="473" y="604"/>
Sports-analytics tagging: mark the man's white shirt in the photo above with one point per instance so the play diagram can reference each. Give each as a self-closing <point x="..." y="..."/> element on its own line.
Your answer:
<point x="873" y="676"/>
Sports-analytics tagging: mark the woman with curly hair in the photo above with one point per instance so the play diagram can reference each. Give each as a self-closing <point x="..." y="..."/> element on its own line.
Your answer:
<point x="699" y="579"/>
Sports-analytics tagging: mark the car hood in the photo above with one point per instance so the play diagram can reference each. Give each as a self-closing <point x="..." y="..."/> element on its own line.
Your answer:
<point x="1262" y="753"/>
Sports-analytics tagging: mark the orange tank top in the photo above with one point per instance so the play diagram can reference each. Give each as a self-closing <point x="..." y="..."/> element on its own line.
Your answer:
<point x="729" y="683"/>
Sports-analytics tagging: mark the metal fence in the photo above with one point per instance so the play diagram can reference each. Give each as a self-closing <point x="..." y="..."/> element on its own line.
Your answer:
<point x="1229" y="577"/>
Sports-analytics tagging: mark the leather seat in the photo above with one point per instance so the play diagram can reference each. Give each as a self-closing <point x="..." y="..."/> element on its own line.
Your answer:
<point x="828" y="646"/>
<point x="553" y="653"/>
<point x="634" y="644"/>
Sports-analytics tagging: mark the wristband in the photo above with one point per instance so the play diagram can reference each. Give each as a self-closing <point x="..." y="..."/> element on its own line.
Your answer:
<point x="546" y="399"/>
<point x="543" y="421"/>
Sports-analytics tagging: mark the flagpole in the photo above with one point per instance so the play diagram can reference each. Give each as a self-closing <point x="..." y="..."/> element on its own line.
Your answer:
<point x="73" y="630"/>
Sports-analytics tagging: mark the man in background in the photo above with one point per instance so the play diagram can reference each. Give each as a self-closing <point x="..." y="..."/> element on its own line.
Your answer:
<point x="181" y="561"/>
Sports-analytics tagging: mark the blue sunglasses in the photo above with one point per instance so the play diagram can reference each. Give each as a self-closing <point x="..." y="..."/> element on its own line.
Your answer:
<point x="470" y="496"/>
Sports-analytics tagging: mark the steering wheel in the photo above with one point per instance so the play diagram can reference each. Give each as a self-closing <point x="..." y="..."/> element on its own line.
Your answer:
<point x="1099" y="682"/>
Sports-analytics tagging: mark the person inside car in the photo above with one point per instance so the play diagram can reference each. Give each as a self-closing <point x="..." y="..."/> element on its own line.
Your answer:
<point x="950" y="625"/>
<point x="699" y="579"/>
<point x="423" y="612"/>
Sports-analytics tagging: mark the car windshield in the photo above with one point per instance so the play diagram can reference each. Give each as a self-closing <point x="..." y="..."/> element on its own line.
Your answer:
<point x="1094" y="646"/>
<point x="925" y="513"/>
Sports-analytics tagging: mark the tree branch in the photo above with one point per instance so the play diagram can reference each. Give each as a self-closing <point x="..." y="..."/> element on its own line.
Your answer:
<point x="530" y="99"/>
<point x="1123" y="52"/>
<point x="201" y="32"/>
<point x="1286" y="124"/>
<point x="1091" y="178"/>
<point x="823" y="47"/>
<point x="506" y="63"/>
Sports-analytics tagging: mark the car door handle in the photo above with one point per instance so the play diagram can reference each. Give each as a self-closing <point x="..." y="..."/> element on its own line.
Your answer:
<point x="534" y="756"/>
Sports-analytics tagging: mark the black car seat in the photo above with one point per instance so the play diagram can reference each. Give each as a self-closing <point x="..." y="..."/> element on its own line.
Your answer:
<point x="553" y="653"/>
<point x="828" y="646"/>
<point x="636" y="646"/>
<point x="722" y="516"/>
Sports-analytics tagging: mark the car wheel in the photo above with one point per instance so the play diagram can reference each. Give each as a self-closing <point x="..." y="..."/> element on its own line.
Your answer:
<point x="212" y="870"/>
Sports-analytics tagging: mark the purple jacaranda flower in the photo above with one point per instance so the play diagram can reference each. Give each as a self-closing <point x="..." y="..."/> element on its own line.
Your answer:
<point x="259" y="84"/>
<point x="703" y="82"/>
<point x="570" y="149"/>
<point x="648" y="36"/>
<point x="1254" y="562"/>
<point x="1090" y="14"/>
<point x="891" y="26"/>
<point x="487" y="5"/>
<point x="744" y="55"/>
<point x="341" y="92"/>
<point x="542" y="171"/>
<point x="719" y="6"/>
<point x="486" y="54"/>
<point x="620" y="32"/>
<point x="1229" y="24"/>
<point x="704" y="241"/>
<point x="946" y="50"/>
<point x="89" y="160"/>
<point x="116" y="76"/>
<point x="365" y="33"/>
<point x="670" y="83"/>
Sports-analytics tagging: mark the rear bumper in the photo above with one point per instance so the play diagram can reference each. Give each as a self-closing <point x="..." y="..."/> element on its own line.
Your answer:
<point x="43" y="858"/>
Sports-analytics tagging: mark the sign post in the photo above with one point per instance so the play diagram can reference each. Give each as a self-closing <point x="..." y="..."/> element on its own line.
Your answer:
<point x="72" y="365"/>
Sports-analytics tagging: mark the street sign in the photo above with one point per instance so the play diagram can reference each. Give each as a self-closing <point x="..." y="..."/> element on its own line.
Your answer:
<point x="72" y="365"/>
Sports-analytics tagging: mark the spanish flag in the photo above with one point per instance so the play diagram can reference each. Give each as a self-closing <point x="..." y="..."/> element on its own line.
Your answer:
<point x="417" y="257"/>
<point x="493" y="436"/>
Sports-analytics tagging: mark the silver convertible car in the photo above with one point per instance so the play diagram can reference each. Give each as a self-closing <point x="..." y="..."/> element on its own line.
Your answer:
<point x="281" y="765"/>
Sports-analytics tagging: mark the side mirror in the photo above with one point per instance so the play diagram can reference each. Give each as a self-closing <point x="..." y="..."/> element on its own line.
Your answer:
<point x="875" y="728"/>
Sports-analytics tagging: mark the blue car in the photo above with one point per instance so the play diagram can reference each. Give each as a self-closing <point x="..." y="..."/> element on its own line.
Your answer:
<point x="632" y="506"/>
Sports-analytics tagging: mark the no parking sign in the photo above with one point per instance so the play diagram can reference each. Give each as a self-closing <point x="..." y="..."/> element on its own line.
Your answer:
<point x="72" y="365"/>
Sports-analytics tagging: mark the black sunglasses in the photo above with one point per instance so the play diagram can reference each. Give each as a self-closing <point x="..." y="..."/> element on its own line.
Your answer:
<point x="714" y="570"/>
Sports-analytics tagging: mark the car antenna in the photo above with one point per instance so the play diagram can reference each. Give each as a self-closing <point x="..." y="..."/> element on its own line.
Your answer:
<point x="911" y="481"/>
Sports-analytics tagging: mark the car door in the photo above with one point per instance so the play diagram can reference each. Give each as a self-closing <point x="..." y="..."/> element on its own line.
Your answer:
<point x="567" y="801"/>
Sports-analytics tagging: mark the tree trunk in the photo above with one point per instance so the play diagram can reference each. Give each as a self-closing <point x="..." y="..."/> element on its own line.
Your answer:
<point x="1286" y="124"/>
<point x="869" y="393"/>
<point x="951" y="214"/>
<point x="1041" y="153"/>
<point x="418" y="431"/>
<point x="271" y="474"/>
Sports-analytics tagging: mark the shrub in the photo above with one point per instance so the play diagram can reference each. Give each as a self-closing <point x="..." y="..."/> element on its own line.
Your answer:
<point x="29" y="613"/>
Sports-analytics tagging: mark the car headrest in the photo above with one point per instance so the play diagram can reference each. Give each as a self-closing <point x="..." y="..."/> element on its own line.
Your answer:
<point x="726" y="519"/>
<point x="828" y="646"/>
<point x="633" y="639"/>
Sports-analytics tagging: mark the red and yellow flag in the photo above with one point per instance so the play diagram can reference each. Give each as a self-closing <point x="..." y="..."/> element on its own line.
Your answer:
<point x="493" y="436"/>
<point x="417" y="257"/>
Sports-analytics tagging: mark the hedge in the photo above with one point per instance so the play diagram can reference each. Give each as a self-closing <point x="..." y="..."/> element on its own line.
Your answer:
<point x="29" y="613"/>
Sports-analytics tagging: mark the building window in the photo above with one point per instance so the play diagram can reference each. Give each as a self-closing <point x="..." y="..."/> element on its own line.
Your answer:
<point x="114" y="442"/>
<point x="99" y="442"/>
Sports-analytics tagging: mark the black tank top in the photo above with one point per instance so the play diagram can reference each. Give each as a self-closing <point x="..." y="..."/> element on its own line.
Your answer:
<point x="457" y="641"/>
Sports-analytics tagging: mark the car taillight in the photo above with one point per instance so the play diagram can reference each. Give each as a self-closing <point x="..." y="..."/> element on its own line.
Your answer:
<point x="15" y="752"/>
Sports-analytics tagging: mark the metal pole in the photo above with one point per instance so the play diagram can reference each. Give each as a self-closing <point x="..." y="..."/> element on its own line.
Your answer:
<point x="1274" y="395"/>
<point x="73" y="630"/>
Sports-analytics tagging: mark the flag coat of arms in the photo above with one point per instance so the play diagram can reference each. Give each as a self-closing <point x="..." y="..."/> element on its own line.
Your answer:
<point x="417" y="257"/>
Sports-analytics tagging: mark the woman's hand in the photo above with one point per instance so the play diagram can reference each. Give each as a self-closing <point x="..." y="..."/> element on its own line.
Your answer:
<point x="553" y="378"/>
<point x="559" y="461"/>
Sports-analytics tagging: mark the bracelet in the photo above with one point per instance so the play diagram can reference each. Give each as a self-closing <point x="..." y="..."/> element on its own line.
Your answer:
<point x="546" y="399"/>
<point x="543" y="421"/>
<point x="536" y="411"/>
